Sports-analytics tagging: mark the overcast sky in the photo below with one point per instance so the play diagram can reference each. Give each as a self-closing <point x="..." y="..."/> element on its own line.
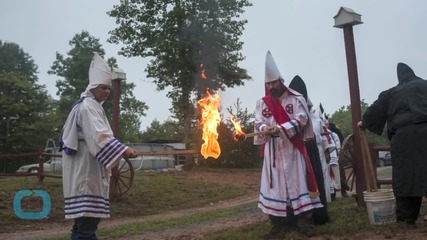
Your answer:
<point x="299" y="34"/>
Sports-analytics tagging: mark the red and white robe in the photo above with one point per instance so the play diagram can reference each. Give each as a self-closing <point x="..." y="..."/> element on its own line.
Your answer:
<point x="284" y="173"/>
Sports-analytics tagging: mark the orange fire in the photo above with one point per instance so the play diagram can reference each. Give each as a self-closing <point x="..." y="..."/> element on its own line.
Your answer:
<point x="209" y="120"/>
<point x="203" y="75"/>
<point x="239" y="135"/>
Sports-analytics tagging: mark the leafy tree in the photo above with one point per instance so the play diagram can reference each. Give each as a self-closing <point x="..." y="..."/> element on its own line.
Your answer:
<point x="343" y="119"/>
<point x="27" y="112"/>
<point x="179" y="36"/>
<point x="73" y="70"/>
<point x="240" y="154"/>
<point x="246" y="153"/>
<point x="168" y="130"/>
<point x="14" y="60"/>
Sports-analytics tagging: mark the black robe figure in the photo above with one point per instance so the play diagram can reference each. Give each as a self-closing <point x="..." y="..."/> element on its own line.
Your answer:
<point x="404" y="109"/>
<point x="320" y="215"/>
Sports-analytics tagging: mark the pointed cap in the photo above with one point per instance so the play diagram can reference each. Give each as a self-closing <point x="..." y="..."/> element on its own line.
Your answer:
<point x="404" y="72"/>
<point x="99" y="72"/>
<point x="298" y="85"/>
<point x="271" y="71"/>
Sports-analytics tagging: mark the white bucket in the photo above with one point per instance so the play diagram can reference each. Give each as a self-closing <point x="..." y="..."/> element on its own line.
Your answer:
<point x="381" y="206"/>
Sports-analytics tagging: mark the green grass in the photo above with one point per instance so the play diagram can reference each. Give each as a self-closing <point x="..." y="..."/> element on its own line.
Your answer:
<point x="152" y="193"/>
<point x="347" y="221"/>
<point x="132" y="229"/>
<point x="10" y="185"/>
<point x="155" y="193"/>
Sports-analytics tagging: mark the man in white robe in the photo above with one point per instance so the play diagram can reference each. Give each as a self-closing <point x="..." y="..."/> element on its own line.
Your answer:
<point x="89" y="152"/>
<point x="334" y="164"/>
<point x="325" y="146"/>
<point x="288" y="185"/>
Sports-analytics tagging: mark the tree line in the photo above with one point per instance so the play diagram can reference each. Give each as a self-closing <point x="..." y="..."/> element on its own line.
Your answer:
<point x="178" y="36"/>
<point x="29" y="115"/>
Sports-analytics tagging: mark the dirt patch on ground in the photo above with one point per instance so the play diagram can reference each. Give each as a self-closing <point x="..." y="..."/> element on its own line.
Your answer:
<point x="193" y="231"/>
<point x="247" y="179"/>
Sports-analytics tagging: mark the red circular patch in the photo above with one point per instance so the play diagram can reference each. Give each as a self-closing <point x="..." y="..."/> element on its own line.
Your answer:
<point x="266" y="113"/>
<point x="289" y="108"/>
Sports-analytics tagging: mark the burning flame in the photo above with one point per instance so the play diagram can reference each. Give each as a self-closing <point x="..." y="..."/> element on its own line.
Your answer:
<point x="203" y="75"/>
<point x="239" y="135"/>
<point x="209" y="120"/>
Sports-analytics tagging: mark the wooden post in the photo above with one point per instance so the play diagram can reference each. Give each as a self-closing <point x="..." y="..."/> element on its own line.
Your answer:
<point x="346" y="19"/>
<point x="115" y="127"/>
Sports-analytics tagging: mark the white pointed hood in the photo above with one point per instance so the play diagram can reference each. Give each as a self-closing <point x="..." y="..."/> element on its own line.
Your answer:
<point x="271" y="71"/>
<point x="99" y="72"/>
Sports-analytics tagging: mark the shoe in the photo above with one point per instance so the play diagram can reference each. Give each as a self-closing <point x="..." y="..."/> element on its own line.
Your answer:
<point x="408" y="223"/>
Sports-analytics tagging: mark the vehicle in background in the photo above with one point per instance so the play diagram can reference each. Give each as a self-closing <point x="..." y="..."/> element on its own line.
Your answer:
<point x="146" y="162"/>
<point x="384" y="158"/>
<point x="52" y="165"/>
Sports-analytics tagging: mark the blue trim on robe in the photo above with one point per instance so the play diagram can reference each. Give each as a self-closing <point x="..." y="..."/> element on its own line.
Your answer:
<point x="109" y="152"/>
<point x="86" y="204"/>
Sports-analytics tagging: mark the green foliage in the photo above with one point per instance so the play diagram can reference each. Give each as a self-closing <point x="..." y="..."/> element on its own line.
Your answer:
<point x="234" y="154"/>
<point x="343" y="120"/>
<point x="168" y="130"/>
<point x="73" y="71"/>
<point x="27" y="112"/>
<point x="179" y="36"/>
<point x="14" y="60"/>
<point x="245" y="152"/>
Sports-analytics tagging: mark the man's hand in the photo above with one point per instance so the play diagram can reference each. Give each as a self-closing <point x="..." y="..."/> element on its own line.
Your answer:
<point x="271" y="130"/>
<point x="129" y="153"/>
<point x="274" y="130"/>
<point x="360" y="125"/>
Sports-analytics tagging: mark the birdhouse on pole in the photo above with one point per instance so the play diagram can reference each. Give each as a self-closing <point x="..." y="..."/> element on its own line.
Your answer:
<point x="345" y="19"/>
<point x="346" y="16"/>
<point x="118" y="74"/>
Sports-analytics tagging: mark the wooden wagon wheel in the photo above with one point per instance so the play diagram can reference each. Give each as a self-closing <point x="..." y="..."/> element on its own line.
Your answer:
<point x="124" y="177"/>
<point x="346" y="159"/>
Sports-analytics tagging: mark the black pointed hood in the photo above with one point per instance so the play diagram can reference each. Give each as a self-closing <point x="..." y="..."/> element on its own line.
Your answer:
<point x="404" y="73"/>
<point x="298" y="85"/>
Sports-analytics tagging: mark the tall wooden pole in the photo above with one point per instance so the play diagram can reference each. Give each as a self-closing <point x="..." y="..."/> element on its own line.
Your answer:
<point x="346" y="19"/>
<point x="356" y="114"/>
<point x="115" y="127"/>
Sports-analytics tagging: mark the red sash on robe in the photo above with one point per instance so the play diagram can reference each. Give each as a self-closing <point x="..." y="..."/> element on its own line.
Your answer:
<point x="281" y="117"/>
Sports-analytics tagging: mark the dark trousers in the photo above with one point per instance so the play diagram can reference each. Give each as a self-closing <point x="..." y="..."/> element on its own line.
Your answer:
<point x="407" y="209"/>
<point x="85" y="228"/>
<point x="303" y="220"/>
<point x="320" y="215"/>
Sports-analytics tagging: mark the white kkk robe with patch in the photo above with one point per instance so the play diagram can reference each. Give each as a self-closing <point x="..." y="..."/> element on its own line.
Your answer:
<point x="324" y="143"/>
<point x="284" y="178"/>
<point x="90" y="151"/>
